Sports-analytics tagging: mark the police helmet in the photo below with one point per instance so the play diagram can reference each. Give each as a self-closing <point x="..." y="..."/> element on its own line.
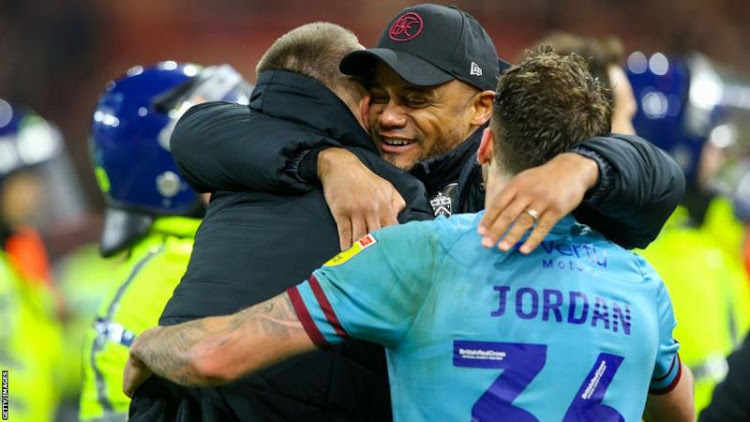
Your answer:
<point x="678" y="104"/>
<point x="26" y="139"/>
<point x="129" y="143"/>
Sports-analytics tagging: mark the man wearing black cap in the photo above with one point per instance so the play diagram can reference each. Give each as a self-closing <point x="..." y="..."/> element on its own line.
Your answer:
<point x="433" y="75"/>
<point x="431" y="78"/>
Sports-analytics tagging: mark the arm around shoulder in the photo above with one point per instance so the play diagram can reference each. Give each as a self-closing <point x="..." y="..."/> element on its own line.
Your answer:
<point x="218" y="350"/>
<point x="219" y="146"/>
<point x="640" y="186"/>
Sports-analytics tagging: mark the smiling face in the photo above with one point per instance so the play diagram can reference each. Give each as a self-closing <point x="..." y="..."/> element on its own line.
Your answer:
<point x="410" y="123"/>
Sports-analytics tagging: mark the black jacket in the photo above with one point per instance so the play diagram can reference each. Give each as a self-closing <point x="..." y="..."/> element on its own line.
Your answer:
<point x="731" y="397"/>
<point x="254" y="245"/>
<point x="639" y="185"/>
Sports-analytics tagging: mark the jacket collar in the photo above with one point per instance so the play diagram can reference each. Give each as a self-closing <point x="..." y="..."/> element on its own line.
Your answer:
<point x="437" y="172"/>
<point x="303" y="100"/>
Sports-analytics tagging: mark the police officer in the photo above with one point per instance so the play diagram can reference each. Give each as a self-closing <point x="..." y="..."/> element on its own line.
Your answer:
<point x="708" y="285"/>
<point x="30" y="333"/>
<point x="152" y="214"/>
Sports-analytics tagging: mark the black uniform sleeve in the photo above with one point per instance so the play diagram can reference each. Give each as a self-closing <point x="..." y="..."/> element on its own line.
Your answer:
<point x="640" y="186"/>
<point x="214" y="151"/>
<point x="731" y="398"/>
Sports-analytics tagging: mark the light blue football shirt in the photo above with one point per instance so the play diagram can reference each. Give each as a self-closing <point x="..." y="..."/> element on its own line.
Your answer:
<point x="579" y="330"/>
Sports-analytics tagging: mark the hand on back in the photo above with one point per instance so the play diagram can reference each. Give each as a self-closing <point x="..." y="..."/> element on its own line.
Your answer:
<point x="535" y="200"/>
<point x="360" y="201"/>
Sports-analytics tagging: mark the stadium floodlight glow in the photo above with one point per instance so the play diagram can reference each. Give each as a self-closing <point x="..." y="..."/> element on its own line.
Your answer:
<point x="654" y="104"/>
<point x="8" y="156"/>
<point x="108" y="119"/>
<point x="658" y="64"/>
<point x="168" y="65"/>
<point x="705" y="93"/>
<point x="706" y="87"/>
<point x="723" y="135"/>
<point x="6" y="113"/>
<point x="637" y="62"/>
<point x="190" y="70"/>
<point x="38" y="142"/>
<point x="737" y="96"/>
<point x="675" y="105"/>
<point x="133" y="71"/>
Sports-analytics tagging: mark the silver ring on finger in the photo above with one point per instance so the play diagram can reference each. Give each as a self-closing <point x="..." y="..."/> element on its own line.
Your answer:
<point x="533" y="214"/>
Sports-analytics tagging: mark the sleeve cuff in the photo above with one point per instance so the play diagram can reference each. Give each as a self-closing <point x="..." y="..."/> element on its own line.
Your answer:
<point x="304" y="317"/>
<point x="606" y="180"/>
<point x="304" y="165"/>
<point x="316" y="314"/>
<point x="666" y="383"/>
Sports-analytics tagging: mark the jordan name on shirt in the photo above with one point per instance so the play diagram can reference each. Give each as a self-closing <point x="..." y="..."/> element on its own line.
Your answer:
<point x="547" y="305"/>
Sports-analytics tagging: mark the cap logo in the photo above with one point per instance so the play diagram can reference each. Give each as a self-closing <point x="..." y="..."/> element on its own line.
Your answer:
<point x="407" y="27"/>
<point x="475" y="70"/>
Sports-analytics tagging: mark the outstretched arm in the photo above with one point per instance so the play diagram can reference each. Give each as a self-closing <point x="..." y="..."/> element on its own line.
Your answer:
<point x="626" y="189"/>
<point x="218" y="350"/>
<point x="646" y="188"/>
<point x="215" y="150"/>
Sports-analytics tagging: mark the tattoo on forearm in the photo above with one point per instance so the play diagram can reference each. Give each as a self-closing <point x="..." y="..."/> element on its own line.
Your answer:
<point x="275" y="317"/>
<point x="170" y="351"/>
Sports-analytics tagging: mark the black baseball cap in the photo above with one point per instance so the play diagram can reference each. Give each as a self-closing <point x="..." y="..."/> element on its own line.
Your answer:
<point x="428" y="45"/>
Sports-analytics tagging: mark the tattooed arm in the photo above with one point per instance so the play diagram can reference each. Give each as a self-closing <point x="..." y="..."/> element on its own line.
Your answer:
<point x="218" y="350"/>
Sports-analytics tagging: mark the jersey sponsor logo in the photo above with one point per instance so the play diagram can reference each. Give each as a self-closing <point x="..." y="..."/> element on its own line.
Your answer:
<point x="407" y="27"/>
<point x="473" y="353"/>
<point x="571" y="307"/>
<point x="581" y="257"/>
<point x="348" y="254"/>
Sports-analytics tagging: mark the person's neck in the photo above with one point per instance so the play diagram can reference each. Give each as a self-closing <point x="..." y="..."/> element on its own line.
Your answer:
<point x="495" y="181"/>
<point x="353" y="101"/>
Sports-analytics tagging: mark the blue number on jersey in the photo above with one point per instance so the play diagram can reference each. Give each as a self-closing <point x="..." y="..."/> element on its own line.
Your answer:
<point x="521" y="363"/>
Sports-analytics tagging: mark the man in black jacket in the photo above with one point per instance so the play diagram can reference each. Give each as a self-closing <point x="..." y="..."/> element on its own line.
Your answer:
<point x="300" y="95"/>
<point x="731" y="398"/>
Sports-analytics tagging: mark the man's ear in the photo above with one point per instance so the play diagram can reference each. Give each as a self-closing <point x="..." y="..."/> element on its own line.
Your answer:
<point x="364" y="110"/>
<point x="482" y="107"/>
<point x="486" y="151"/>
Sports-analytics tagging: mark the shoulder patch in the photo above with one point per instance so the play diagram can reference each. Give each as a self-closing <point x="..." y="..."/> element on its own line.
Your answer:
<point x="360" y="245"/>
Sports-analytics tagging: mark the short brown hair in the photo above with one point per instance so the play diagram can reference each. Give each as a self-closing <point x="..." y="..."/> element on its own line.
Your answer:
<point x="545" y="105"/>
<point x="313" y="50"/>
<point x="600" y="53"/>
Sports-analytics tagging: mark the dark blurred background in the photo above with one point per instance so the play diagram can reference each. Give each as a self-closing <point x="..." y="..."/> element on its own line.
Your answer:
<point x="58" y="54"/>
